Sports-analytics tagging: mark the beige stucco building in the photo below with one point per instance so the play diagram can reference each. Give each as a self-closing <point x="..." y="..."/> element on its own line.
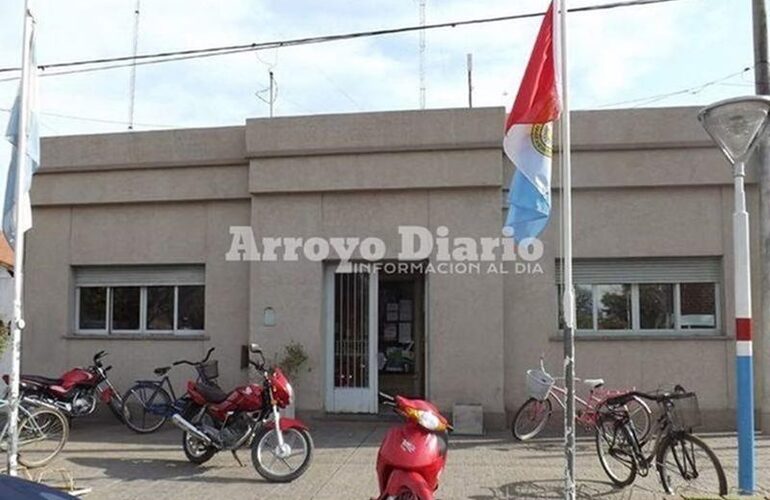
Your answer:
<point x="128" y="254"/>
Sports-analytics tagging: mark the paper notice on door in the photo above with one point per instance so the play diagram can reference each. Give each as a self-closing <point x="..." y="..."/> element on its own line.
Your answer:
<point x="405" y="310"/>
<point x="404" y="333"/>
<point x="390" y="332"/>
<point x="391" y="311"/>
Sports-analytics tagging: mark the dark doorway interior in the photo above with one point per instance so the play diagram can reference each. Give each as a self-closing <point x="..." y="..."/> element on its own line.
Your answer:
<point x="401" y="334"/>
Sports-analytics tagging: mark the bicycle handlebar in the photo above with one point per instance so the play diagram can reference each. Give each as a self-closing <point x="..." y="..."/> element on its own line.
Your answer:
<point x="194" y="363"/>
<point x="622" y="399"/>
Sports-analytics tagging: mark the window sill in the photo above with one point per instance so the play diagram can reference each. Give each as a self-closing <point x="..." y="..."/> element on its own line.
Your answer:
<point x="133" y="336"/>
<point x="719" y="336"/>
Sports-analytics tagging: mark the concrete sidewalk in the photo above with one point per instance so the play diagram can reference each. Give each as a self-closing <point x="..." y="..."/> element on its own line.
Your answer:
<point x="119" y="464"/>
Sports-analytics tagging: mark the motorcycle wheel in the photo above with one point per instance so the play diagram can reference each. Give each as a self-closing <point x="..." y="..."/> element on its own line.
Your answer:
<point x="196" y="451"/>
<point x="281" y="469"/>
<point x="406" y="494"/>
<point x="116" y="407"/>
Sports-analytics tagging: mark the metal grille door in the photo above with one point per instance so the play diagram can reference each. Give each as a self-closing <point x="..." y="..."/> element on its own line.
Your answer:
<point x="351" y="345"/>
<point x="351" y="330"/>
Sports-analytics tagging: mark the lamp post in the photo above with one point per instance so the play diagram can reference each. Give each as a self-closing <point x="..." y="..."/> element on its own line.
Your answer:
<point x="736" y="125"/>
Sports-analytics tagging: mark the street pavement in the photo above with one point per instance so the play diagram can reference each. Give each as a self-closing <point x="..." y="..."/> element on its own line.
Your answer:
<point x="118" y="464"/>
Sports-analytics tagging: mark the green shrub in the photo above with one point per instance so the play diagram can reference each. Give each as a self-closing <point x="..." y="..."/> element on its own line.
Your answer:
<point x="294" y="356"/>
<point x="5" y="337"/>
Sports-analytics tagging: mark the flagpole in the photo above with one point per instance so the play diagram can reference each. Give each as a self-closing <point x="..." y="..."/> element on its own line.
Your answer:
<point x="18" y="321"/>
<point x="569" y="292"/>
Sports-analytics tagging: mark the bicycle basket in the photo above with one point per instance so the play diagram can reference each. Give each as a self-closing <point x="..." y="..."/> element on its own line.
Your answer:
<point x="539" y="384"/>
<point x="685" y="412"/>
<point x="208" y="370"/>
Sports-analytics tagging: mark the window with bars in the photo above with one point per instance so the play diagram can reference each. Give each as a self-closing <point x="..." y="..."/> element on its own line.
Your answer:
<point x="140" y="300"/>
<point x="646" y="296"/>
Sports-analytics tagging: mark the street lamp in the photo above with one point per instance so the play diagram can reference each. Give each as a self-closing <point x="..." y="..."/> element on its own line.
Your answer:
<point x="736" y="125"/>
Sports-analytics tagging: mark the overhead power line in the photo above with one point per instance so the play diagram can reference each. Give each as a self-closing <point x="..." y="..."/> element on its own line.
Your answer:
<point x="161" y="57"/>
<point x="637" y="101"/>
<point x="97" y="120"/>
<point x="689" y="90"/>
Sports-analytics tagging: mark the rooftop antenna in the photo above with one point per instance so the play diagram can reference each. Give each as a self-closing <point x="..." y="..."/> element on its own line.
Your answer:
<point x="422" y="54"/>
<point x="271" y="90"/>
<point x="469" y="63"/>
<point x="132" y="81"/>
<point x="272" y="93"/>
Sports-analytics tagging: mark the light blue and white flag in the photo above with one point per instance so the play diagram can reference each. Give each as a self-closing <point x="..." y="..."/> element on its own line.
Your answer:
<point x="527" y="140"/>
<point x="32" y="157"/>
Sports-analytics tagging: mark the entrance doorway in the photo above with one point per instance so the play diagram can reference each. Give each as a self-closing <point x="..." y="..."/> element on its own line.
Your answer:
<point x="351" y="345"/>
<point x="375" y="336"/>
<point x="401" y="334"/>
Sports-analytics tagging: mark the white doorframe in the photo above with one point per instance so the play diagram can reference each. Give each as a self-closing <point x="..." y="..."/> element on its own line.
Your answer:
<point x="346" y="399"/>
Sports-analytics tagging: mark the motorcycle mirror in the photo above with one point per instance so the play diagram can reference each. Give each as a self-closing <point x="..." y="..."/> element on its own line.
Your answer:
<point x="254" y="348"/>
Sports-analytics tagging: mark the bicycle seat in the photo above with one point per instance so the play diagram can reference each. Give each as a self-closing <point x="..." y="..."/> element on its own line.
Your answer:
<point x="211" y="392"/>
<point x="162" y="370"/>
<point x="594" y="383"/>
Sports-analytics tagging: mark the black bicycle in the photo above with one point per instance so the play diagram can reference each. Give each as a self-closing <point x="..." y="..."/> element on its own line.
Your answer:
<point x="148" y="404"/>
<point x="685" y="464"/>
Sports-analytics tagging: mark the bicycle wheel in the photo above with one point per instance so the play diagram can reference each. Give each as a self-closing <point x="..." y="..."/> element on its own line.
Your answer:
<point x="42" y="435"/>
<point x="614" y="446"/>
<point x="531" y="419"/>
<point x="687" y="466"/>
<point x="146" y="407"/>
<point x="640" y="415"/>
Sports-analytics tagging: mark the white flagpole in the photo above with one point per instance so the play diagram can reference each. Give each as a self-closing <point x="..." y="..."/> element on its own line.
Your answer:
<point x="569" y="293"/>
<point x="18" y="321"/>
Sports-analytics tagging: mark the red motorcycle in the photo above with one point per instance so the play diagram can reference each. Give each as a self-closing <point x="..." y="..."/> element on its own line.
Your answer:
<point x="281" y="448"/>
<point x="412" y="456"/>
<point x="77" y="391"/>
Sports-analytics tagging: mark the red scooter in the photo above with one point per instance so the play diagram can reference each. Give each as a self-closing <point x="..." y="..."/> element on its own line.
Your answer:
<point x="412" y="456"/>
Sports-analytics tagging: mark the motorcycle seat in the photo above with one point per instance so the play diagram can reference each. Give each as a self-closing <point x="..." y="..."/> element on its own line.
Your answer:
<point x="211" y="392"/>
<point x="40" y="380"/>
<point x="162" y="370"/>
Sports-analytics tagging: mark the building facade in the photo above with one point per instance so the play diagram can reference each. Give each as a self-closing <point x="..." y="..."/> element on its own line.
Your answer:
<point x="157" y="245"/>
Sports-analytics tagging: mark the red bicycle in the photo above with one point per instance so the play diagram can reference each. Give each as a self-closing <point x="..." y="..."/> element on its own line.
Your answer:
<point x="534" y="414"/>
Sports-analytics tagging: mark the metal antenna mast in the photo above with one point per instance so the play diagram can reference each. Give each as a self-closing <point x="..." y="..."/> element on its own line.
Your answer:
<point x="271" y="90"/>
<point x="422" y="54"/>
<point x="469" y="62"/>
<point x="132" y="82"/>
<point x="272" y="93"/>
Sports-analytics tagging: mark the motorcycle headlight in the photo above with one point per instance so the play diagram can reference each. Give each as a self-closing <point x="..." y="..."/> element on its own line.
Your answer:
<point x="428" y="420"/>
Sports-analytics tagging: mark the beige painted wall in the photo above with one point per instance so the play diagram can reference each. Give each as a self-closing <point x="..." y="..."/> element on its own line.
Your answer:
<point x="464" y="311"/>
<point x="133" y="234"/>
<point x="647" y="183"/>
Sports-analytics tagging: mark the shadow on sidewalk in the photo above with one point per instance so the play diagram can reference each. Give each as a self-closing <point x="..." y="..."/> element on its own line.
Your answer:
<point x="552" y="489"/>
<point x="130" y="469"/>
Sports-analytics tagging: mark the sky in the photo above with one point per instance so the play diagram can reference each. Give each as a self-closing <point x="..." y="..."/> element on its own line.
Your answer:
<point x="617" y="58"/>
